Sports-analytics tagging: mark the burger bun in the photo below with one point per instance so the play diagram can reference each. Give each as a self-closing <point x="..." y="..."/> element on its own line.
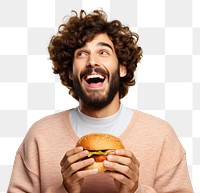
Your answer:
<point x="99" y="142"/>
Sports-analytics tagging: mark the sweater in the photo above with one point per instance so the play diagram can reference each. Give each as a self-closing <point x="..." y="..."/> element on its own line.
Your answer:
<point x="163" y="167"/>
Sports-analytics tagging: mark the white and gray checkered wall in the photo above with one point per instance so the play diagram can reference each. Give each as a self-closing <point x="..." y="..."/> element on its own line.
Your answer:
<point x="168" y="77"/>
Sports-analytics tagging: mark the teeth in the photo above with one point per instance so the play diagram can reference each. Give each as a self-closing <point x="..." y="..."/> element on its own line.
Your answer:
<point x="94" y="76"/>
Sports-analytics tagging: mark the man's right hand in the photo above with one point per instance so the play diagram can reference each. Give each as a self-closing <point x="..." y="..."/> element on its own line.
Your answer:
<point x="72" y="166"/>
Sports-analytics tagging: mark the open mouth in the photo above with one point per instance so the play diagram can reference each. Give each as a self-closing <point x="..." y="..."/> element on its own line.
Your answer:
<point x="94" y="78"/>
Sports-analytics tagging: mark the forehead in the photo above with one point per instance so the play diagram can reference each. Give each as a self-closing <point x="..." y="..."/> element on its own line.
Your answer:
<point x="99" y="39"/>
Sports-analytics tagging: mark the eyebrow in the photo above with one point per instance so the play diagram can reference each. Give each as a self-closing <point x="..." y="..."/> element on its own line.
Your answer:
<point x="105" y="44"/>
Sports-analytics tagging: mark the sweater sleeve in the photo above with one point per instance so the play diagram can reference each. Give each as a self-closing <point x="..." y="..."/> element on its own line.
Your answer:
<point x="60" y="189"/>
<point x="172" y="172"/>
<point x="176" y="180"/>
<point x="36" y="167"/>
<point x="144" y="189"/>
<point x="22" y="180"/>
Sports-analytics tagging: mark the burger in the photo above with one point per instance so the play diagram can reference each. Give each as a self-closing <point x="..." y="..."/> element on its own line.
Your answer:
<point x="99" y="146"/>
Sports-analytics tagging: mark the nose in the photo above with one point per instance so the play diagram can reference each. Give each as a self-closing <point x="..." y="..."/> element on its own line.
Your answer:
<point x="92" y="61"/>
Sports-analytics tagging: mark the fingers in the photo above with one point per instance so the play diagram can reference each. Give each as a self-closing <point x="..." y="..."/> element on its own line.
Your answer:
<point x="129" y="154"/>
<point x="76" y="172"/>
<point x="123" y="167"/>
<point x="83" y="173"/>
<point x="72" y="166"/>
<point x="124" y="184"/>
<point x="123" y="162"/>
<point x="69" y="169"/>
<point x="71" y="153"/>
<point x="73" y="161"/>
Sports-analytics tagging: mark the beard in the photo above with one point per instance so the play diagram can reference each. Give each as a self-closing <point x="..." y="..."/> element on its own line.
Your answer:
<point x="95" y="99"/>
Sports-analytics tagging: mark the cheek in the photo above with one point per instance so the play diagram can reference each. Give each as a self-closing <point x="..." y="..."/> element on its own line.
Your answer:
<point x="75" y="70"/>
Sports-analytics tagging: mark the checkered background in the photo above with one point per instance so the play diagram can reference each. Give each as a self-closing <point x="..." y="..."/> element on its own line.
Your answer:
<point x="168" y="77"/>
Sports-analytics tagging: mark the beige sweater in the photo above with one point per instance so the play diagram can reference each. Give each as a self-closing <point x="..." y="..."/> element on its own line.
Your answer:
<point x="163" y="167"/>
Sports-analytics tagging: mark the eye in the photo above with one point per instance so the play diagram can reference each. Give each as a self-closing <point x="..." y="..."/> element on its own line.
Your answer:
<point x="104" y="52"/>
<point x="81" y="54"/>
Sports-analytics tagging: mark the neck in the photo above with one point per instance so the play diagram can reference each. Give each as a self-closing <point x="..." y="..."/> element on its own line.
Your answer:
<point x="106" y="111"/>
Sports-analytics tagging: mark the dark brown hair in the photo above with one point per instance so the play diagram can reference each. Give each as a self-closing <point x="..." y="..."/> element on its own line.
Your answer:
<point x="79" y="30"/>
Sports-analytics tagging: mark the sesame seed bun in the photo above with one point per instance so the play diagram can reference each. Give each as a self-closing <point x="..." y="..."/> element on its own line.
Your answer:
<point x="100" y="141"/>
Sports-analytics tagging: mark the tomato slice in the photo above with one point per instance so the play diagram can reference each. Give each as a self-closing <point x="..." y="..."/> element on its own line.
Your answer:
<point x="99" y="158"/>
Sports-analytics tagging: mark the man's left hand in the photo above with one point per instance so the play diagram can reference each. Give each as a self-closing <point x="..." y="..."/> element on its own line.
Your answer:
<point x="124" y="168"/>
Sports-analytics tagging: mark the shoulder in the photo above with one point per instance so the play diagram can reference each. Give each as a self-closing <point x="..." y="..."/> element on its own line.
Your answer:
<point x="48" y="130"/>
<point x="143" y="116"/>
<point x="149" y="121"/>
<point x="152" y="128"/>
<point x="159" y="129"/>
<point x="156" y="135"/>
<point x="50" y="119"/>
<point x="48" y="125"/>
<point x="42" y="141"/>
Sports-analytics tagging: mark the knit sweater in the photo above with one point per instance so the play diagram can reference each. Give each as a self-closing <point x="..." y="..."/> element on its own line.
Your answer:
<point x="163" y="167"/>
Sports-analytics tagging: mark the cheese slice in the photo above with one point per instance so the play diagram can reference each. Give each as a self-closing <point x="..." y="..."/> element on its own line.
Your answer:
<point x="91" y="153"/>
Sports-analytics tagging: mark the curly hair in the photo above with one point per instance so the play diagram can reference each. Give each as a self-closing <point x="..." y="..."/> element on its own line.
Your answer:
<point x="79" y="30"/>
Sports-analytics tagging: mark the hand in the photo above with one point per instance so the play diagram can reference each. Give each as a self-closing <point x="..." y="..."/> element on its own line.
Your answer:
<point x="72" y="167"/>
<point x="124" y="168"/>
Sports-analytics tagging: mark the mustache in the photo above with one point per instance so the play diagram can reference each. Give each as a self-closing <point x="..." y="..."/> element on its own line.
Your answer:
<point x="91" y="70"/>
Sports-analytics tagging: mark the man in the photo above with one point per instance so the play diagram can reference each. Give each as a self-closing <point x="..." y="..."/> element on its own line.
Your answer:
<point x="96" y="60"/>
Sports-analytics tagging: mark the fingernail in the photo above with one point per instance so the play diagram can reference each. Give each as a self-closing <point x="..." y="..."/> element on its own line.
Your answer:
<point x="109" y="157"/>
<point x="86" y="152"/>
<point x="111" y="152"/>
<point x="117" y="151"/>
<point x="106" y="163"/>
<point x="91" y="160"/>
<point x="80" y="147"/>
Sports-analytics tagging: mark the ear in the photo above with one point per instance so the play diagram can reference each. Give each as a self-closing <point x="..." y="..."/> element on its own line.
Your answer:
<point x="70" y="75"/>
<point x="122" y="71"/>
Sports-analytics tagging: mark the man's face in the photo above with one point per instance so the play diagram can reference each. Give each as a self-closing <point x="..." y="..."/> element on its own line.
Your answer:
<point x="96" y="72"/>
